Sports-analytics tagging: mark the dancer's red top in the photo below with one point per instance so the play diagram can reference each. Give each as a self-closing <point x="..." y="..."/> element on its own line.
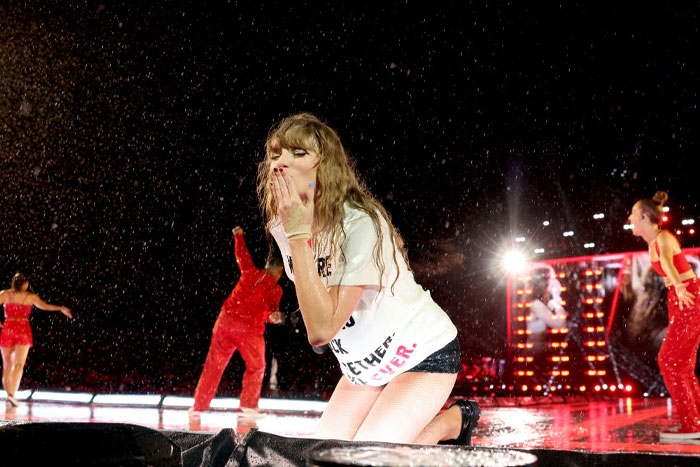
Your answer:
<point x="17" y="311"/>
<point x="256" y="294"/>
<point x="679" y="260"/>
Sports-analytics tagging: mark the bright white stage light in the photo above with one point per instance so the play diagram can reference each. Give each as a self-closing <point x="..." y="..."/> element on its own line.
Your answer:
<point x="589" y="245"/>
<point x="628" y="226"/>
<point x="539" y="250"/>
<point x="568" y="233"/>
<point x="149" y="400"/>
<point x="688" y="221"/>
<point x="292" y="405"/>
<point x="545" y="223"/>
<point x="600" y="215"/>
<point x="666" y="209"/>
<point x="519" y="239"/>
<point x="178" y="401"/>
<point x="80" y="397"/>
<point x="514" y="261"/>
<point x="19" y="395"/>
<point x="225" y="403"/>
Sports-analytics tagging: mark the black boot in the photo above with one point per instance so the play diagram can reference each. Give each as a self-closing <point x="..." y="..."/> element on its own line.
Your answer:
<point x="470" y="418"/>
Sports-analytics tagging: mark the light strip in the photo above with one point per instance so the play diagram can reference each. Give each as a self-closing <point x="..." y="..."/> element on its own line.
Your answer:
<point x="178" y="401"/>
<point x="19" y="395"/>
<point x="225" y="403"/>
<point x="62" y="396"/>
<point x="292" y="405"/>
<point x="151" y="400"/>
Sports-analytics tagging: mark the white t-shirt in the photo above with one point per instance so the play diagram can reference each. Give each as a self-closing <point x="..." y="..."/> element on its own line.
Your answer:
<point x="389" y="332"/>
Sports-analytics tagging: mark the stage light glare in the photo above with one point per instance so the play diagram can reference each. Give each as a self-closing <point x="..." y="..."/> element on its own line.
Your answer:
<point x="514" y="261"/>
<point x="628" y="388"/>
<point x="545" y="223"/>
<point x="666" y="209"/>
<point x="519" y="239"/>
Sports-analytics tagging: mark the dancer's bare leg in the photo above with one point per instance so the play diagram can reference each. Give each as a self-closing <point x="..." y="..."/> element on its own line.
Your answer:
<point x="7" y="353"/>
<point x="18" y="360"/>
<point x="406" y="410"/>
<point x="346" y="410"/>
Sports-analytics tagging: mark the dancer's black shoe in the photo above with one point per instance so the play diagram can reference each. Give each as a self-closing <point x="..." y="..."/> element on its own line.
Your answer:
<point x="470" y="418"/>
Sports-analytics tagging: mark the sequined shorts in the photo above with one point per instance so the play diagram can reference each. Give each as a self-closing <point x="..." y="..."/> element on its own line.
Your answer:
<point x="446" y="360"/>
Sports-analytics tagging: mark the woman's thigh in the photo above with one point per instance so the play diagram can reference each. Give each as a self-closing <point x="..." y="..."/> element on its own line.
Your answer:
<point x="405" y="406"/>
<point x="346" y="410"/>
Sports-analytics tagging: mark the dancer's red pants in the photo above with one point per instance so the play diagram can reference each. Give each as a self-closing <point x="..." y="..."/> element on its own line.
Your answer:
<point x="678" y="356"/>
<point x="226" y="338"/>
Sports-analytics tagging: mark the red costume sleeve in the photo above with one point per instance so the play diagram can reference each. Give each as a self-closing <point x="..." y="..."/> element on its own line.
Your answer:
<point x="275" y="297"/>
<point x="245" y="262"/>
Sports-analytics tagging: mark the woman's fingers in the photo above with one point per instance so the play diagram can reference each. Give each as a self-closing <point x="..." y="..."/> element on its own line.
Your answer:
<point x="686" y="299"/>
<point x="277" y="191"/>
<point x="289" y="183"/>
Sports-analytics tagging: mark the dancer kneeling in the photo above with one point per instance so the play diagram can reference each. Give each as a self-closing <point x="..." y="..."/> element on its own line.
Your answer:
<point x="397" y="349"/>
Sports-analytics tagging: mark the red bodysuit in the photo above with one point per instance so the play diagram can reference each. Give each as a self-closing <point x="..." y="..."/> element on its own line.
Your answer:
<point x="16" y="329"/>
<point x="240" y="326"/>
<point x="678" y="353"/>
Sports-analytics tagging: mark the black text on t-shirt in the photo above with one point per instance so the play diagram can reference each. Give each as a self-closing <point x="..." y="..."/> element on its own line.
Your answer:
<point x="322" y="264"/>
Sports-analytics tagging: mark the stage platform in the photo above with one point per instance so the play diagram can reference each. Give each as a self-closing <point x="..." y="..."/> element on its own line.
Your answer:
<point x="551" y="425"/>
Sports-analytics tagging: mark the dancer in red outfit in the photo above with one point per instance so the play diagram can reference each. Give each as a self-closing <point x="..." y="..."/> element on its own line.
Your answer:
<point x="16" y="336"/>
<point x="678" y="352"/>
<point x="240" y="325"/>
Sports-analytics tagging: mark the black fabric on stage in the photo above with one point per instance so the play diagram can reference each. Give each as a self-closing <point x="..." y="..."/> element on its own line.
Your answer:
<point x="205" y="450"/>
<point x="262" y="449"/>
<point x="111" y="444"/>
<point x="87" y="444"/>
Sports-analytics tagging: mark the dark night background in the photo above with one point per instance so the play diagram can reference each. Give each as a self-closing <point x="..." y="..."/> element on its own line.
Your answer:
<point x="130" y="136"/>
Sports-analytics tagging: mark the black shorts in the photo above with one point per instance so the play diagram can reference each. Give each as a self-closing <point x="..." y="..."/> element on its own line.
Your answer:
<point x="446" y="360"/>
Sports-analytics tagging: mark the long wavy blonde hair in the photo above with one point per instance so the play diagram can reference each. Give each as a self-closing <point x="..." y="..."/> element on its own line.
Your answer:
<point x="336" y="184"/>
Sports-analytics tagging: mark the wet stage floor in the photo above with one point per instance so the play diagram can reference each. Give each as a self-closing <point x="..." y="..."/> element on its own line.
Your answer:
<point x="625" y="425"/>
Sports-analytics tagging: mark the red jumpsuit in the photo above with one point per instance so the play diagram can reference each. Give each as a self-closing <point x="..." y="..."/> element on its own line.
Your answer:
<point x="240" y="325"/>
<point x="16" y="329"/>
<point x="678" y="352"/>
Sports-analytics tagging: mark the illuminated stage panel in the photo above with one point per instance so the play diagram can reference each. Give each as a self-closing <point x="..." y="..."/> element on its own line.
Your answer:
<point x="21" y="395"/>
<point x="62" y="396"/>
<point x="613" y="319"/>
<point x="128" y="399"/>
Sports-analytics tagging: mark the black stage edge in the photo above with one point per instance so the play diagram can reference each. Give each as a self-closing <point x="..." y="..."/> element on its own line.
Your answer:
<point x="111" y="444"/>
